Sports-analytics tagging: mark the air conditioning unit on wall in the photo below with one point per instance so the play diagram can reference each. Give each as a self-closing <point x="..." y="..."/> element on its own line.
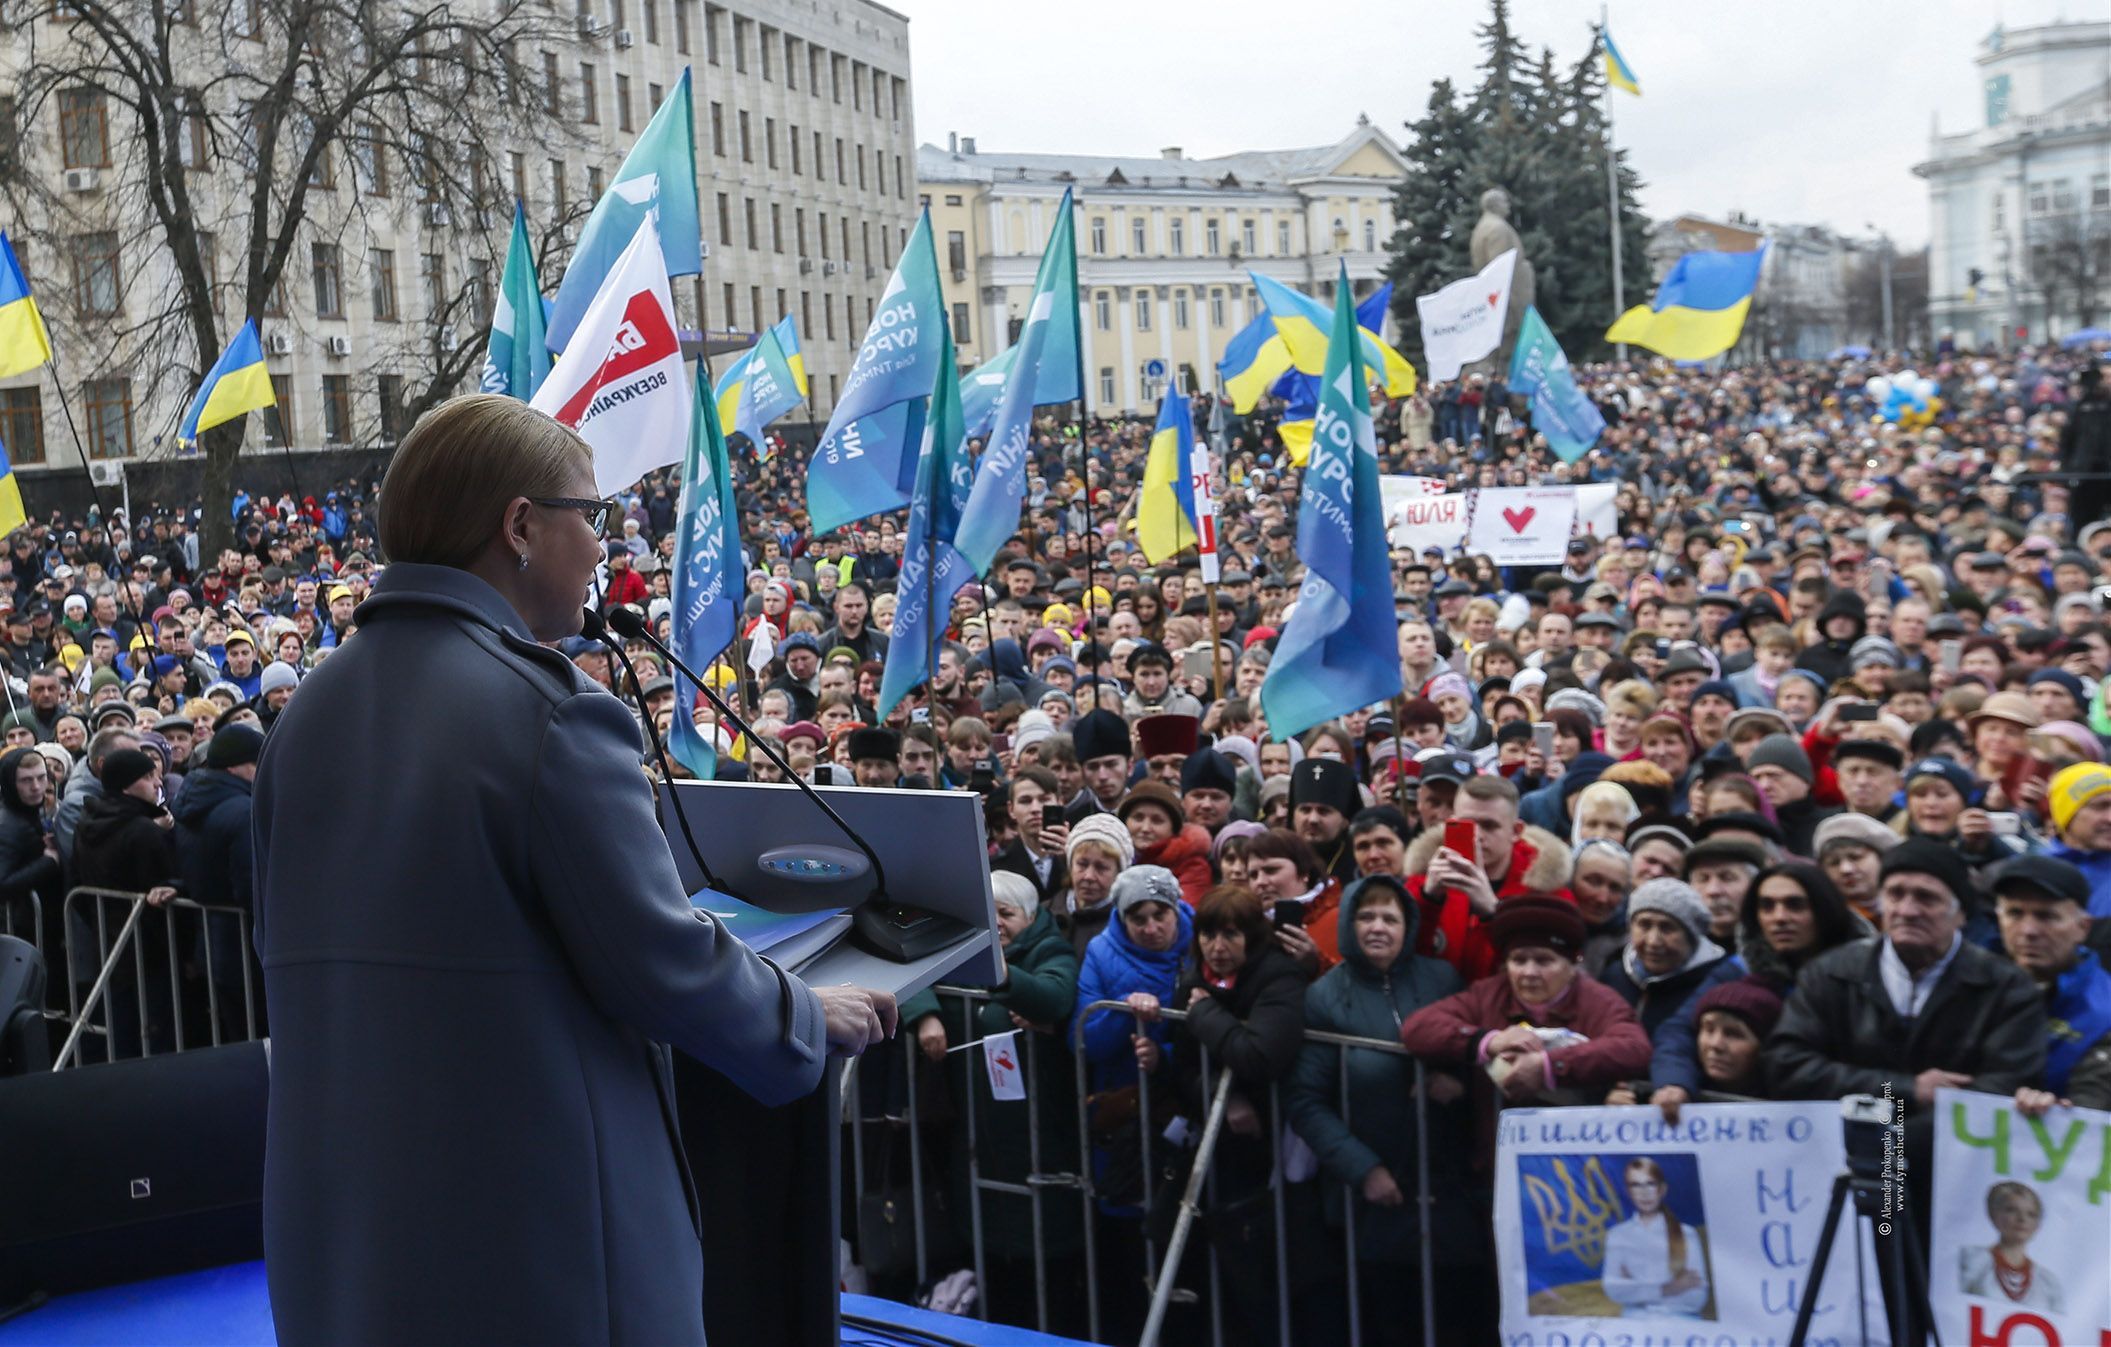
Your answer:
<point x="339" y="346"/>
<point x="106" y="473"/>
<point x="84" y="180"/>
<point x="278" y="343"/>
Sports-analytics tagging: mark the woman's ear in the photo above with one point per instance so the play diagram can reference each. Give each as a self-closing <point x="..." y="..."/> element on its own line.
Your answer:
<point x="513" y="524"/>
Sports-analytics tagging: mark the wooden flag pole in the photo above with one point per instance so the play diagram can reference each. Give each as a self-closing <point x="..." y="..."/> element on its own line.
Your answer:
<point x="1216" y="642"/>
<point x="1399" y="706"/>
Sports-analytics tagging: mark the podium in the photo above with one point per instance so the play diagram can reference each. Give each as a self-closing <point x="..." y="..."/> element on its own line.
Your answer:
<point x="768" y="1179"/>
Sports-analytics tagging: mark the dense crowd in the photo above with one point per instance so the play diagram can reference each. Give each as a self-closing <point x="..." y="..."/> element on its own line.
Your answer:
<point x="1794" y="787"/>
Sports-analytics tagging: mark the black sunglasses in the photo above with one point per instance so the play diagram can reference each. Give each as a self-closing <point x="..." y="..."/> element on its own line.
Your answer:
<point x="596" y="512"/>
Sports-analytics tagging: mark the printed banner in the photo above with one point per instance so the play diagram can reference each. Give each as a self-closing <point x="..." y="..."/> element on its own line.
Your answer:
<point x="2020" y="1251"/>
<point x="1523" y="525"/>
<point x="1422" y="522"/>
<point x="1611" y="1226"/>
<point x="1595" y="512"/>
<point x="1464" y="321"/>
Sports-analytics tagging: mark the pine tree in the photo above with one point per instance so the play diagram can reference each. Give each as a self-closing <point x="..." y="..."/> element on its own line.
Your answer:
<point x="1430" y="247"/>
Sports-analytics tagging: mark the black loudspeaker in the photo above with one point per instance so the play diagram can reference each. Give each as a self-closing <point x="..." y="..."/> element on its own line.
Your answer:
<point x="131" y="1169"/>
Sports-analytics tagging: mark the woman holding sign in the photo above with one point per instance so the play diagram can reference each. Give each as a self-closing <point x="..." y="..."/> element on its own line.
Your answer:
<point x="1654" y="1266"/>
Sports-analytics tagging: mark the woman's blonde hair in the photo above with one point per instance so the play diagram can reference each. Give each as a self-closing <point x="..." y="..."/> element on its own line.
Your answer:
<point x="458" y="467"/>
<point x="1674" y="1232"/>
<point x="1634" y="696"/>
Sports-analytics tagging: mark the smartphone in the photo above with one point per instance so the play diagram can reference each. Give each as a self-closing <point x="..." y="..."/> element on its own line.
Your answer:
<point x="2006" y="824"/>
<point x="1663" y="650"/>
<point x="1860" y="711"/>
<point x="1463" y="835"/>
<point x="1000" y="743"/>
<point x="1952" y="655"/>
<point x="1052" y="816"/>
<point x="982" y="780"/>
<point x="1543" y="738"/>
<point x="1289" y="912"/>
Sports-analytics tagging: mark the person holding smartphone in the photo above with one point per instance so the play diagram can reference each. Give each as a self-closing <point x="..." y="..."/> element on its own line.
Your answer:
<point x="1034" y="801"/>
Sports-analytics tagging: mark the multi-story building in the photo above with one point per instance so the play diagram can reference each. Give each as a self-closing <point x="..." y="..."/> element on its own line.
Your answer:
<point x="2020" y="205"/>
<point x="1164" y="246"/>
<point x="804" y="150"/>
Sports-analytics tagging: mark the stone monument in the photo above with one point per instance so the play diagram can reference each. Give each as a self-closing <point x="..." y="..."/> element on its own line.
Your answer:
<point x="1493" y="235"/>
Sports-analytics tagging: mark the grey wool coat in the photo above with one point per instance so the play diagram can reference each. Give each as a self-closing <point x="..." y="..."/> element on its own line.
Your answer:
<point x="475" y="947"/>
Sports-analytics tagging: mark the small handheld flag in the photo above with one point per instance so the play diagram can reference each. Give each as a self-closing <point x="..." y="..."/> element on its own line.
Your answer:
<point x="236" y="384"/>
<point x="932" y="570"/>
<point x="24" y="343"/>
<point x="761" y="385"/>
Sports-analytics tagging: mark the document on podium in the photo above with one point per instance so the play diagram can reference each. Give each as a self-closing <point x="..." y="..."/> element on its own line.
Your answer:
<point x="789" y="938"/>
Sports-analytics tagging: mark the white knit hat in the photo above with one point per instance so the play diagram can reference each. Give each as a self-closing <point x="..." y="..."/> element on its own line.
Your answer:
<point x="1106" y="830"/>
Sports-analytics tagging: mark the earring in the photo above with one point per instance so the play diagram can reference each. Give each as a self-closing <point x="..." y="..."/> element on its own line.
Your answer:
<point x="524" y="561"/>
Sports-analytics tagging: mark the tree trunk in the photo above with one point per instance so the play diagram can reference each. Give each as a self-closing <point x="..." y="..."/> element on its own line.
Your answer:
<point x="216" y="527"/>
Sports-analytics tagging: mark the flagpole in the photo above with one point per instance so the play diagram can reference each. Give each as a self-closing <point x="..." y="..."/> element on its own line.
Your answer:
<point x="1612" y="193"/>
<point x="1216" y="642"/>
<point x="124" y="586"/>
<point x="1084" y="456"/>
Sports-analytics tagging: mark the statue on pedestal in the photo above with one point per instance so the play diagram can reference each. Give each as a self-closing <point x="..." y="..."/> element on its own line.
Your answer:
<point x="1493" y="236"/>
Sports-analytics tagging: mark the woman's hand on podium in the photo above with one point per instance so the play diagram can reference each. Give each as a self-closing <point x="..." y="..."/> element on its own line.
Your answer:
<point x="856" y="1018"/>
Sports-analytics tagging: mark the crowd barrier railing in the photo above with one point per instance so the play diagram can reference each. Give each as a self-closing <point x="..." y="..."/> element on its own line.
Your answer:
<point x="1159" y="1266"/>
<point x="153" y="983"/>
<point x="9" y="920"/>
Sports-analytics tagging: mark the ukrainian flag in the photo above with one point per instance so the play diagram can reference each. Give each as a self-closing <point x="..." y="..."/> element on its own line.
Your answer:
<point x="237" y="383"/>
<point x="1165" y="512"/>
<point x="787" y="334"/>
<point x="1304" y="323"/>
<point x="1700" y="308"/>
<point x="1252" y="361"/>
<point x="1617" y="72"/>
<point x="24" y="344"/>
<point x="12" y="513"/>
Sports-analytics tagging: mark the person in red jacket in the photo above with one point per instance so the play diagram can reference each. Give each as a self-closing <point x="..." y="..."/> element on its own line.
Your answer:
<point x="1459" y="893"/>
<point x="1158" y="826"/>
<point x="1540" y="1030"/>
<point x="625" y="585"/>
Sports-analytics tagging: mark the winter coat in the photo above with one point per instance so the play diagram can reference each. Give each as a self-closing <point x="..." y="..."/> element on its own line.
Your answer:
<point x="120" y="845"/>
<point x="1019" y="861"/>
<point x="1799" y="824"/>
<point x="1450" y="1033"/>
<point x="1366" y="1001"/>
<point x="26" y="869"/>
<point x="1186" y="854"/>
<point x="219" y="870"/>
<point x="1448" y="926"/>
<point x="1840" y="1035"/>
<point x="2078" y="1012"/>
<point x="1256" y="1027"/>
<point x="1657" y="999"/>
<point x="2095" y="866"/>
<point x="1115" y="967"/>
<point x="472" y="1124"/>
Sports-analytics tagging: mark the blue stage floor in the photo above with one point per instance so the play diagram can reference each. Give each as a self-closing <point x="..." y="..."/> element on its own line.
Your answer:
<point x="228" y="1307"/>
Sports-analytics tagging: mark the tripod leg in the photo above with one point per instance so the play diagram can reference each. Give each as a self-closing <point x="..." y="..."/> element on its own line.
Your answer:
<point x="1816" y="1274"/>
<point x="1915" y="1258"/>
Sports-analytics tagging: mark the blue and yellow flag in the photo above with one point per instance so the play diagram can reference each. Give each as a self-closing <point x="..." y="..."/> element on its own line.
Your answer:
<point x="1253" y="360"/>
<point x="237" y="383"/>
<point x="1165" y="512"/>
<point x="1700" y="308"/>
<point x="1303" y="323"/>
<point x="24" y="344"/>
<point x="762" y="385"/>
<point x="1617" y="72"/>
<point x="13" y="514"/>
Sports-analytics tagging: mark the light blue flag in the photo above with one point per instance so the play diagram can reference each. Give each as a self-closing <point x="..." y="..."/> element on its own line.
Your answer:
<point x="1560" y="411"/>
<point x="517" y="358"/>
<point x="658" y="175"/>
<point x="932" y="568"/>
<point x="760" y="386"/>
<point x="1057" y="379"/>
<point x="865" y="463"/>
<point x="707" y="573"/>
<point x="1339" y="650"/>
<point x="982" y="390"/>
<point x="1000" y="480"/>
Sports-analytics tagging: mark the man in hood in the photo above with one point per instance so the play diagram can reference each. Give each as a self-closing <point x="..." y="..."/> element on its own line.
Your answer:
<point x="1841" y="622"/>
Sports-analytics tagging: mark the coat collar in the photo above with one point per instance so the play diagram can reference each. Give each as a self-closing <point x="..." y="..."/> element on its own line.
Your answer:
<point x="410" y="584"/>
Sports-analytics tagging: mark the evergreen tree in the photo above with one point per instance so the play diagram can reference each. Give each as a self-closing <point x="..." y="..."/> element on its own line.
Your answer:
<point x="1429" y="247"/>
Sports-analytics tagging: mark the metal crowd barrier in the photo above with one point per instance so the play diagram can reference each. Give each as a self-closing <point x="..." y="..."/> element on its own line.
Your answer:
<point x="92" y="909"/>
<point x="36" y="920"/>
<point x="1038" y="1180"/>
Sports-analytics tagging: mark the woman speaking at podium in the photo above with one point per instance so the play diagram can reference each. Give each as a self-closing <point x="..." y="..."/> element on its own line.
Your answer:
<point x="475" y="943"/>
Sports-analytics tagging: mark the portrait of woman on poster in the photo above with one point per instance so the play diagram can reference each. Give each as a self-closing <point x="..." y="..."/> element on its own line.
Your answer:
<point x="2004" y="1271"/>
<point x="1654" y="1267"/>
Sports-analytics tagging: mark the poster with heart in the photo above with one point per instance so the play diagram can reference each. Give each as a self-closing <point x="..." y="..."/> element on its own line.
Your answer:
<point x="1523" y="525"/>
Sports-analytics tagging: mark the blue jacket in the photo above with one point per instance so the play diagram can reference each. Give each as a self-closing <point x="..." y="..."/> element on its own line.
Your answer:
<point x="1115" y="966"/>
<point x="2096" y="865"/>
<point x="475" y="943"/>
<point x="2078" y="1014"/>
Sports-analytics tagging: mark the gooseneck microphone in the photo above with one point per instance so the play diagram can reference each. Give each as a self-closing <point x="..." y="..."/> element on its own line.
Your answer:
<point x="628" y="623"/>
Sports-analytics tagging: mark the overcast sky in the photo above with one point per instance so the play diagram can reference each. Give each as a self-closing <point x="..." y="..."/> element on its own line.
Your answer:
<point x="1794" y="111"/>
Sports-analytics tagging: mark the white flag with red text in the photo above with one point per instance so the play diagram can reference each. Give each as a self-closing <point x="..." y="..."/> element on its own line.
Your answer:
<point x="620" y="383"/>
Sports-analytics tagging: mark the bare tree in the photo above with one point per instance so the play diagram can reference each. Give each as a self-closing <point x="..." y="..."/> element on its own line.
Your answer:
<point x="2070" y="260"/>
<point x="258" y="131"/>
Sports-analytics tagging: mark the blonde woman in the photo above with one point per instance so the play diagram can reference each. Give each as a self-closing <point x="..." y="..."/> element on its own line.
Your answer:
<point x="1627" y="705"/>
<point x="1654" y="1264"/>
<point x="1603" y="811"/>
<point x="2004" y="1271"/>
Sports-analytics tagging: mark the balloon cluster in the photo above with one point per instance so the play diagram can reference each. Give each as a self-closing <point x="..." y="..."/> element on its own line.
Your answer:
<point x="1906" y="399"/>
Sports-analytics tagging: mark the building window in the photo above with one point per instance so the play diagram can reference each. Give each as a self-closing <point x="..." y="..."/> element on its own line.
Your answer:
<point x="765" y="42"/>
<point x="557" y="189"/>
<point x="98" y="278"/>
<point x="2100" y="192"/>
<point x="328" y="268"/>
<point x="776" y="228"/>
<point x="960" y="325"/>
<point x="1106" y="386"/>
<point x="861" y="168"/>
<point x="1143" y="310"/>
<point x="1180" y="311"/>
<point x="842" y="178"/>
<point x="432" y="278"/>
<point x="22" y="425"/>
<point x="725" y="220"/>
<point x="654" y="95"/>
<point x="388" y="394"/>
<point x="190" y="139"/>
<point x="712" y="14"/>
<point x="651" y="11"/>
<point x="1102" y="311"/>
<point x="957" y="252"/>
<point x="1212" y="240"/>
<point x="589" y="95"/>
<point x="740" y="45"/>
<point x="2062" y="196"/>
<point x="384" y="278"/>
<point x="828" y="315"/>
<point x="799" y="230"/>
<point x="1099" y="232"/>
<point x="718" y="130"/>
<point x="1248" y="242"/>
<point x="1177" y="237"/>
<point x="793" y="141"/>
<point x="726" y="293"/>
<point x="553" y="88"/>
<point x="84" y="128"/>
<point x="747" y="143"/>
<point x="820" y="173"/>
<point x="681" y="25"/>
<point x="1370" y="236"/>
<point x="821" y="228"/>
<point x="806" y="303"/>
<point x="747" y="208"/>
<point x="517" y="167"/>
<point x="1139" y="238"/>
<point x="337" y="409"/>
<point x="278" y="419"/>
<point x="791" y="62"/>
<point x="755" y="308"/>
<point x="109" y="404"/>
<point x="1216" y="307"/>
<point x="623" y="118"/>
<point x="2040" y="198"/>
<point x="769" y="141"/>
<point x="1282" y="238"/>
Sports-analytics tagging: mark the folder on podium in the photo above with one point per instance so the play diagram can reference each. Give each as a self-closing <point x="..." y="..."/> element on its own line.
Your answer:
<point x="769" y="1180"/>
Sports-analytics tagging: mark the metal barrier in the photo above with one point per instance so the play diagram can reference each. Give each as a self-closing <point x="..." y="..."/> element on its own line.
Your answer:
<point x="36" y="919"/>
<point x="1038" y="1180"/>
<point x="91" y="910"/>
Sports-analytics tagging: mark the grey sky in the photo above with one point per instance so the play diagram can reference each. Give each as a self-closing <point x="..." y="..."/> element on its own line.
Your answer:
<point x="1794" y="111"/>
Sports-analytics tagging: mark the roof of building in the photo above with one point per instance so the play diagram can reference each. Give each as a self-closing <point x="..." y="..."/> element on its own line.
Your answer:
<point x="1252" y="170"/>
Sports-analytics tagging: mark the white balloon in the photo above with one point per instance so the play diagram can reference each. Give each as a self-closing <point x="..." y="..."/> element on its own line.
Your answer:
<point x="1905" y="378"/>
<point x="1928" y="388"/>
<point x="1878" y="388"/>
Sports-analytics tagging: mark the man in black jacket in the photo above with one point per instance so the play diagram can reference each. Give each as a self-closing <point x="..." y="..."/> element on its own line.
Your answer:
<point x="213" y="849"/>
<point x="124" y="844"/>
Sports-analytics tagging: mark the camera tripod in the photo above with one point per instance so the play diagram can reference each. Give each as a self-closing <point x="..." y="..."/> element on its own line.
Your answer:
<point x="1902" y="1262"/>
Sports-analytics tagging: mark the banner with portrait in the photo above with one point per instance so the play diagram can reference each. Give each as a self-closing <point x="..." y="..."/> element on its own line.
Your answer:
<point x="2020" y="1249"/>
<point x="1610" y="1222"/>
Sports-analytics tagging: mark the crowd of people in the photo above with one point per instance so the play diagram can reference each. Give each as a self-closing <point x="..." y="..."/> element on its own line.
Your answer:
<point x="1794" y="787"/>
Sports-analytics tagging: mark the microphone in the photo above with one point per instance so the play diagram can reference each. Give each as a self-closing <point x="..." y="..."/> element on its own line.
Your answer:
<point x="629" y="623"/>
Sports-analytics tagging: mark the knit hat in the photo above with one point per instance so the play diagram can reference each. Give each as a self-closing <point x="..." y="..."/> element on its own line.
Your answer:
<point x="802" y="729"/>
<point x="1145" y="884"/>
<point x="1780" y="750"/>
<point x="1207" y="769"/>
<point x="1152" y="792"/>
<point x="1854" y="830"/>
<point x="1032" y="727"/>
<point x="1948" y="770"/>
<point x="122" y="768"/>
<point x="1872" y="650"/>
<point x="1876" y="750"/>
<point x="1527" y="679"/>
<point x="1104" y="829"/>
<point x="278" y="674"/>
<point x="1540" y="920"/>
<point x="2073" y="787"/>
<point x="1640" y="834"/>
<point x="1926" y="856"/>
<point x="1448" y="685"/>
<point x="235" y="746"/>
<point x="1008" y="888"/>
<point x="1748" y="999"/>
<point x="1238" y="827"/>
<point x="1716" y="687"/>
<point x="1676" y="899"/>
<point x="1273" y="789"/>
<point x="1579" y="700"/>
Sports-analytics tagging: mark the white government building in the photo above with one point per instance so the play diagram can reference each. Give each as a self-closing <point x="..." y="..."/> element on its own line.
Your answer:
<point x="1164" y="246"/>
<point x="2020" y="205"/>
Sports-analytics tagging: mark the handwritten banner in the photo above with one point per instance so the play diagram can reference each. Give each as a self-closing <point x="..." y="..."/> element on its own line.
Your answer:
<point x="2020" y="1252"/>
<point x="1611" y="1225"/>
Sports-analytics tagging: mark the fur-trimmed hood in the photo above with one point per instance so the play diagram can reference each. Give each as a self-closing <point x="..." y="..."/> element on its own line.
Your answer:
<point x="1546" y="868"/>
